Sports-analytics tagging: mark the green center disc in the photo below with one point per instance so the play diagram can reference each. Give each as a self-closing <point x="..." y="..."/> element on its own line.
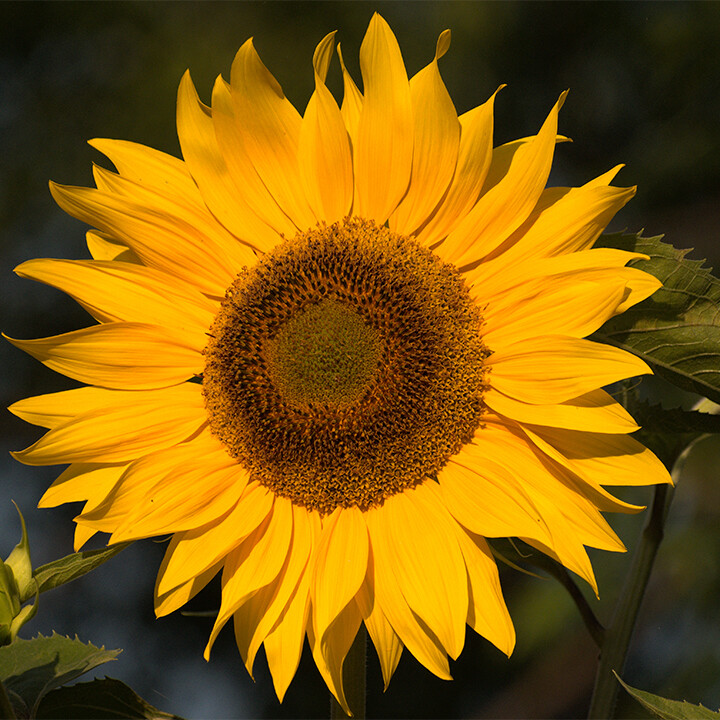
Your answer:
<point x="326" y="354"/>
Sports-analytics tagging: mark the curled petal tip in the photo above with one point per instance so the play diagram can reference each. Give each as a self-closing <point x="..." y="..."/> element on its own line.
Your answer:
<point x="443" y="44"/>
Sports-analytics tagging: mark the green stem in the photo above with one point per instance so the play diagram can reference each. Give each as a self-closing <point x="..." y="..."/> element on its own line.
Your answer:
<point x="593" y="625"/>
<point x="354" y="673"/>
<point x="6" y="709"/>
<point x="618" y="634"/>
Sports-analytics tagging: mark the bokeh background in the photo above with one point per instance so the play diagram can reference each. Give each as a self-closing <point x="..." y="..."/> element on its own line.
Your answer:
<point x="645" y="91"/>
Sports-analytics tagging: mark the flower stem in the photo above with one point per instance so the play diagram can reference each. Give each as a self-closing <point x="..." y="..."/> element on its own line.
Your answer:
<point x="6" y="709"/>
<point x="354" y="673"/>
<point x="618" y="635"/>
<point x="593" y="625"/>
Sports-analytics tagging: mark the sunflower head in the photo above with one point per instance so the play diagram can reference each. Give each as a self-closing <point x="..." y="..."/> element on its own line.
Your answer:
<point x="345" y="366"/>
<point x="334" y="353"/>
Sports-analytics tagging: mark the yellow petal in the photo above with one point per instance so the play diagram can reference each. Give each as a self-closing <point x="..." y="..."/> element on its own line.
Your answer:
<point x="495" y="277"/>
<point x="488" y="499"/>
<point x="473" y="162"/>
<point x="569" y="551"/>
<point x="194" y="493"/>
<point x="571" y="223"/>
<point x="386" y="640"/>
<point x="140" y="478"/>
<point x="503" y="157"/>
<point x="283" y="646"/>
<point x="553" y="369"/>
<point x="232" y="146"/>
<point x="97" y="497"/>
<point x="575" y="479"/>
<point x="124" y="356"/>
<point x="639" y="285"/>
<point x="607" y="459"/>
<point x="150" y="168"/>
<point x="416" y="531"/>
<point x="412" y="631"/>
<point x="270" y="128"/>
<point x="351" y="103"/>
<point x="435" y="147"/>
<point x="529" y="305"/>
<point x="503" y="208"/>
<point x="487" y="613"/>
<point x="55" y="409"/>
<point x="129" y="425"/>
<point x="159" y="237"/>
<point x="191" y="553"/>
<point x="595" y="411"/>
<point x="256" y="618"/>
<point x="81" y="536"/>
<point x="384" y="148"/>
<point x="340" y="566"/>
<point x="196" y="132"/>
<point x="82" y="481"/>
<point x="534" y="311"/>
<point x="254" y="564"/>
<point x="571" y="518"/>
<point x="192" y="215"/>
<point x="324" y="148"/>
<point x="330" y="654"/>
<point x="103" y="246"/>
<point x="177" y="597"/>
<point x="116" y="291"/>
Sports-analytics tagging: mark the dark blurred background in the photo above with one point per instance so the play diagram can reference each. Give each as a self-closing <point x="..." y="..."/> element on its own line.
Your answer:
<point x="645" y="91"/>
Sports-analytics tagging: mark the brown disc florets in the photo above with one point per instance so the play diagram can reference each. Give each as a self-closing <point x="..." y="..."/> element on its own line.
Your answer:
<point x="345" y="366"/>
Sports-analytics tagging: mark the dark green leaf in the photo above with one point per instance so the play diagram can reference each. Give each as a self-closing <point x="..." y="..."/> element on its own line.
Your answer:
<point x="73" y="566"/>
<point x="30" y="669"/>
<point x="676" y="330"/>
<point x="670" y="709"/>
<point x="655" y="418"/>
<point x="101" y="699"/>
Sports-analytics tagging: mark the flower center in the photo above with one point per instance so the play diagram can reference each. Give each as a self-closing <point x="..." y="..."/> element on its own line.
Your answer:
<point x="326" y="354"/>
<point x="345" y="366"/>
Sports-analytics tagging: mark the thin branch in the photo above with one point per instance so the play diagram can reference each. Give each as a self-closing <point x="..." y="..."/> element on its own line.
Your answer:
<point x="593" y="625"/>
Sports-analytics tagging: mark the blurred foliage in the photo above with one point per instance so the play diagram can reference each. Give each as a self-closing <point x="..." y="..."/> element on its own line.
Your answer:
<point x="644" y="80"/>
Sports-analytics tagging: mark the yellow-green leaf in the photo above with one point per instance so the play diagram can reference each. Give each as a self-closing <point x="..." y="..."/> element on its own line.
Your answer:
<point x="670" y="709"/>
<point x="73" y="566"/>
<point x="29" y="669"/>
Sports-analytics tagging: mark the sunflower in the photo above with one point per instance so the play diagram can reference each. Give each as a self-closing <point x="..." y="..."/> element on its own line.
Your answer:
<point x="334" y="353"/>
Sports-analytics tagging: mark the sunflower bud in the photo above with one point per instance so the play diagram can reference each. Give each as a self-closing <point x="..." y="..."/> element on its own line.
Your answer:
<point x="16" y="585"/>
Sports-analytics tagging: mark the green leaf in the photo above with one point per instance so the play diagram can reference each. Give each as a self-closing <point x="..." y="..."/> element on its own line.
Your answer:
<point x="30" y="669"/>
<point x="73" y="566"/>
<point x="655" y="418"/>
<point x="101" y="699"/>
<point x="670" y="709"/>
<point x="677" y="329"/>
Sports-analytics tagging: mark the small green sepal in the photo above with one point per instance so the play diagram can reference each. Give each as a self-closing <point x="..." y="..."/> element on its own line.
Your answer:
<point x="19" y="561"/>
